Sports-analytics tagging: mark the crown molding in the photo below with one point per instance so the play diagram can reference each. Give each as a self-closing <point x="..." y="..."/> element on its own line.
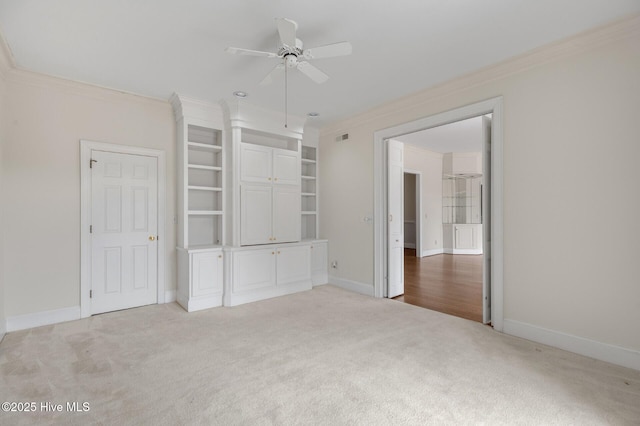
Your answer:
<point x="7" y="63"/>
<point x="628" y="27"/>
<point x="9" y="71"/>
<point x="79" y="88"/>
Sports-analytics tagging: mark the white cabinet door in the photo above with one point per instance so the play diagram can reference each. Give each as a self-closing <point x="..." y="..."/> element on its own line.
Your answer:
<point x="286" y="167"/>
<point x="319" y="263"/>
<point x="464" y="237"/>
<point x="256" y="214"/>
<point x="206" y="273"/>
<point x="286" y="214"/>
<point x="293" y="264"/>
<point x="255" y="163"/>
<point x="254" y="269"/>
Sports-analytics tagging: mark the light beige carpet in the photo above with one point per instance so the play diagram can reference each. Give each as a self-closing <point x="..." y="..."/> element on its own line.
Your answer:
<point x="325" y="356"/>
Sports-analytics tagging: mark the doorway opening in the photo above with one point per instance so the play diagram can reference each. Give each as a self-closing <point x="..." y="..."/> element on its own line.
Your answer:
<point x="467" y="239"/>
<point x="448" y="276"/>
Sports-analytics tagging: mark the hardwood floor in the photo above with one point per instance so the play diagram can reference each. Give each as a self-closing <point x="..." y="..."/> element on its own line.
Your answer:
<point x="446" y="283"/>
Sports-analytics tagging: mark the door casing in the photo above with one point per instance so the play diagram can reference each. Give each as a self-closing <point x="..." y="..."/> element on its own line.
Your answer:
<point x="85" y="215"/>
<point x="492" y="106"/>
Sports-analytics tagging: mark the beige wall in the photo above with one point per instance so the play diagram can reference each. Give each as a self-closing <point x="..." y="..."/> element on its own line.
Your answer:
<point x="571" y="152"/>
<point x="4" y="68"/>
<point x="41" y="174"/>
<point x="430" y="164"/>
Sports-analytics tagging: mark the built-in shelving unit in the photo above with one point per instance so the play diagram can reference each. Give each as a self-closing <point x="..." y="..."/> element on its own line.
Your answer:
<point x="309" y="211"/>
<point x="200" y="193"/>
<point x="247" y="191"/>
<point x="204" y="195"/>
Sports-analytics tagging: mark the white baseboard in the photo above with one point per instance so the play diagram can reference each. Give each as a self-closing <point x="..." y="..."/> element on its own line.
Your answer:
<point x="603" y="351"/>
<point x="463" y="251"/>
<point x="170" y="296"/>
<point x="3" y="328"/>
<point x="432" y="252"/>
<point x="410" y="245"/>
<point x="355" y="286"/>
<point x="37" y="319"/>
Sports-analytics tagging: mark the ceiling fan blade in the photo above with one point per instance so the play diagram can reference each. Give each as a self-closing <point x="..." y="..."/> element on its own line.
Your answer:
<point x="274" y="72"/>
<point x="330" y="50"/>
<point x="312" y="72"/>
<point x="287" y="30"/>
<point x="247" y="52"/>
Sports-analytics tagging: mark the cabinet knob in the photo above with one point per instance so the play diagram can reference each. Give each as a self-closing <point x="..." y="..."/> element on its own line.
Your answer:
<point x="152" y="238"/>
<point x="275" y="178"/>
<point x="273" y="252"/>
<point x="269" y="178"/>
<point x="219" y="256"/>
<point x="278" y="251"/>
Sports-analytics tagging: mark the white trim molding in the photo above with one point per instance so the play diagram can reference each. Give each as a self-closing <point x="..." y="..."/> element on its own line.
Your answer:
<point x="490" y="106"/>
<point x="85" y="215"/>
<point x="170" y="296"/>
<point x="350" y="285"/>
<point x="432" y="252"/>
<point x="38" y="319"/>
<point x="602" y="351"/>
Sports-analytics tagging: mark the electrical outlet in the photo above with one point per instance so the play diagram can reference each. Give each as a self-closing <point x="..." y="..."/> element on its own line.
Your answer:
<point x="334" y="264"/>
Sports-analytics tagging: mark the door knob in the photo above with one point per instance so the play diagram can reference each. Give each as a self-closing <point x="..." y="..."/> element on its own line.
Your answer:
<point x="152" y="238"/>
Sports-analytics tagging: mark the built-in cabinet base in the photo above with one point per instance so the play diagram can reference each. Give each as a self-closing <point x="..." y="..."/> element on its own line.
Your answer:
<point x="462" y="238"/>
<point x="230" y="276"/>
<point x="262" y="272"/>
<point x="200" y="278"/>
<point x="319" y="262"/>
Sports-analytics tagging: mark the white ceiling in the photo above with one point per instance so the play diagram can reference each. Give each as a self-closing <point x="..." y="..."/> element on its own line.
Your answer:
<point x="157" y="47"/>
<point x="461" y="136"/>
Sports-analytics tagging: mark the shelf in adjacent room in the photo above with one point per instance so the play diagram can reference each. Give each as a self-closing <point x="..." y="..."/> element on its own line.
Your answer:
<point x="309" y="177"/>
<point x="308" y="161"/>
<point x="308" y="194"/>
<point x="308" y="212"/>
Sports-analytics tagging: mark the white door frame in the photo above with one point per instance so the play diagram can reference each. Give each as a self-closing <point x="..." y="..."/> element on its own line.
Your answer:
<point x="418" y="199"/>
<point x="491" y="106"/>
<point x="85" y="215"/>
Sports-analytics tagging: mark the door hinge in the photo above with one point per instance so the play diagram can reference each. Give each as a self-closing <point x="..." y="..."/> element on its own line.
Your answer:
<point x="91" y="229"/>
<point x="91" y="163"/>
<point x="90" y="294"/>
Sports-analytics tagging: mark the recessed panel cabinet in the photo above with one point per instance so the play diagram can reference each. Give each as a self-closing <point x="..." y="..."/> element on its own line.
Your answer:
<point x="319" y="262"/>
<point x="269" y="195"/>
<point x="200" y="283"/>
<point x="262" y="273"/>
<point x="263" y="164"/>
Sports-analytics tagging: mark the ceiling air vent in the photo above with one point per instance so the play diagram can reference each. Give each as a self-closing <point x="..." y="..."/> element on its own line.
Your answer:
<point x="343" y="137"/>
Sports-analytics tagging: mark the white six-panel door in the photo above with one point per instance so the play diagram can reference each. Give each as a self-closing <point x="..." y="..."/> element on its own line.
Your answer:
<point x="395" y="218"/>
<point x="124" y="231"/>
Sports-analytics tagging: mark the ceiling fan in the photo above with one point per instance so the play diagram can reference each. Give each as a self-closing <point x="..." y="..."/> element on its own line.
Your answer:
<point x="293" y="54"/>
